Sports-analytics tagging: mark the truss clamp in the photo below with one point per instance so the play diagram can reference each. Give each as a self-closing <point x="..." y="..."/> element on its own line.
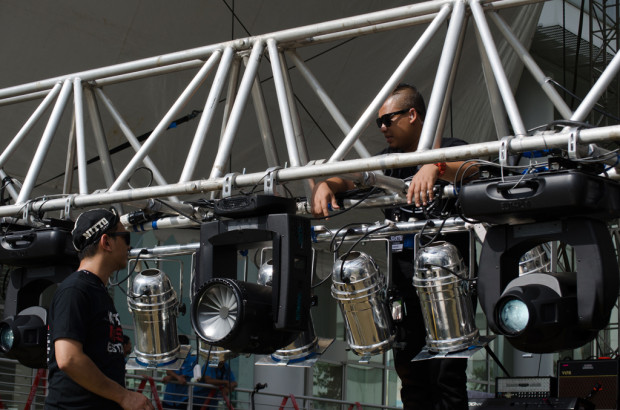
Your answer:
<point x="504" y="150"/>
<point x="271" y="180"/>
<point x="69" y="202"/>
<point x="229" y="184"/>
<point x="573" y="142"/>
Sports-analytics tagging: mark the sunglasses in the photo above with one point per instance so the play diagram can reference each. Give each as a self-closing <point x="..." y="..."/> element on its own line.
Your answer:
<point x="387" y="118"/>
<point x="125" y="235"/>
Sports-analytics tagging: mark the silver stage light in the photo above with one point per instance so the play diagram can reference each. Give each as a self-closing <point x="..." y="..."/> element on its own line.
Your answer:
<point x="535" y="260"/>
<point x="154" y="306"/>
<point x="306" y="344"/>
<point x="446" y="305"/>
<point x="359" y="287"/>
<point x="214" y="354"/>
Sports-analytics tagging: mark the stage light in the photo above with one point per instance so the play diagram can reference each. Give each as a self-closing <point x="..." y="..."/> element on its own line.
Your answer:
<point x="153" y="303"/>
<point x="38" y="260"/>
<point x="23" y="337"/>
<point x="440" y="280"/>
<point x="306" y="344"/>
<point x="513" y="315"/>
<point x="359" y="287"/>
<point x="548" y="312"/>
<point x="246" y="317"/>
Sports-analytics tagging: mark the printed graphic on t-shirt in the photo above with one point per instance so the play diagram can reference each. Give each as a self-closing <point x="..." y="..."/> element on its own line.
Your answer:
<point x="115" y="337"/>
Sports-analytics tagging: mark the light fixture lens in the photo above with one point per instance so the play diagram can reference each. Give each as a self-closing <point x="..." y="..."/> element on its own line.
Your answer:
<point x="6" y="337"/>
<point x="514" y="316"/>
<point x="217" y="312"/>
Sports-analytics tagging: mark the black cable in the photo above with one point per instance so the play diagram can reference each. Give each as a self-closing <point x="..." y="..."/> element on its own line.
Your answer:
<point x="143" y="250"/>
<point x="450" y="271"/>
<point x="191" y="218"/>
<point x="366" y="196"/>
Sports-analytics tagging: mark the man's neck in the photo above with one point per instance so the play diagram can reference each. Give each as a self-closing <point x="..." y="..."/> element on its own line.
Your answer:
<point x="93" y="266"/>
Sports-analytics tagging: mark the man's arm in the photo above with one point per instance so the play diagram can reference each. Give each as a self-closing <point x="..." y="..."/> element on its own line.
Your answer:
<point x="421" y="186"/>
<point x="324" y="194"/>
<point x="81" y="369"/>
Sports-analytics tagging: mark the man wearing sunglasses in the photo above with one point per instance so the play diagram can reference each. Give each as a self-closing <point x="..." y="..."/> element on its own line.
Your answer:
<point x="426" y="384"/>
<point x="85" y="339"/>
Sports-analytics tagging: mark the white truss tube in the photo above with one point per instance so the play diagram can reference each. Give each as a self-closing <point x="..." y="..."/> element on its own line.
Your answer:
<point x="331" y="107"/>
<point x="374" y="106"/>
<point x="129" y="135"/>
<point x="531" y="65"/>
<point x="277" y="45"/>
<point x="100" y="140"/>
<point x="498" y="71"/>
<point x="165" y="122"/>
<point x="597" y="90"/>
<point x="44" y="143"/>
<point x="285" y="112"/>
<point x="264" y="123"/>
<point x="236" y="111"/>
<point x="23" y="132"/>
<point x="438" y="95"/>
<point x="207" y="115"/>
<point x="516" y="144"/>
<point x="80" y="142"/>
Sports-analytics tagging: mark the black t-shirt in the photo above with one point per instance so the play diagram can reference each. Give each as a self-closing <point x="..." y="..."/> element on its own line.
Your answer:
<point x="83" y="310"/>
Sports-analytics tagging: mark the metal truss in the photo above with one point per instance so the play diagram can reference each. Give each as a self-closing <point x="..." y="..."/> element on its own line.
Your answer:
<point x="279" y="47"/>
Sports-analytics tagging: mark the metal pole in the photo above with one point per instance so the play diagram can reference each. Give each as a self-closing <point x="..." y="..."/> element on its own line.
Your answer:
<point x="70" y="162"/>
<point x="484" y="149"/>
<point x="264" y="123"/>
<point x="446" y="106"/>
<point x="195" y="150"/>
<point x="297" y="129"/>
<point x="79" y="135"/>
<point x="597" y="90"/>
<point x="8" y="186"/>
<point x="495" y="98"/>
<point x="329" y="104"/>
<point x="498" y="70"/>
<point x="129" y="135"/>
<point x="219" y="165"/>
<point x="23" y="132"/>
<point x="100" y="140"/>
<point x="374" y="106"/>
<point x="44" y="143"/>
<point x="285" y="113"/>
<point x="152" y="72"/>
<point x="290" y="97"/>
<point x="531" y="65"/>
<point x="444" y="69"/>
<point x="178" y="105"/>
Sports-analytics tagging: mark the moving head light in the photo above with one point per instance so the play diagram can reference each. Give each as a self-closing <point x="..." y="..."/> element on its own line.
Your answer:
<point x="39" y="259"/>
<point x="551" y="311"/>
<point x="246" y="317"/>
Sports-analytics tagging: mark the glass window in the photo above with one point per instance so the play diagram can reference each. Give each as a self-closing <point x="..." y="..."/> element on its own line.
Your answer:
<point x="327" y="383"/>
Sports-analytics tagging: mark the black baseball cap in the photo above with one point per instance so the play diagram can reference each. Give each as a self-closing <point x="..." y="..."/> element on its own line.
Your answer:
<point x="91" y="225"/>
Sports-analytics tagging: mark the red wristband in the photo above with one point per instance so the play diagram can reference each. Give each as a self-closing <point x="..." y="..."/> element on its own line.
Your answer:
<point x="442" y="168"/>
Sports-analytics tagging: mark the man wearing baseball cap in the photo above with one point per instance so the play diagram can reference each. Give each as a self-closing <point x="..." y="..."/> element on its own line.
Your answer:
<point x="85" y="339"/>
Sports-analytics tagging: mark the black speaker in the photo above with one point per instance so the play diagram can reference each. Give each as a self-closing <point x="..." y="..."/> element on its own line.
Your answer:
<point x="595" y="378"/>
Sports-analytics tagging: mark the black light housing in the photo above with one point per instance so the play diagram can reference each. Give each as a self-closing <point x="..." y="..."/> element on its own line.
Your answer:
<point x="245" y="317"/>
<point x="40" y="259"/>
<point x="24" y="336"/>
<point x="565" y="310"/>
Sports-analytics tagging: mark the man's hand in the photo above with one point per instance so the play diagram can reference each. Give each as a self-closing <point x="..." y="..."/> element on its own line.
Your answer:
<point x="135" y="401"/>
<point x="322" y="198"/>
<point x="421" y="187"/>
